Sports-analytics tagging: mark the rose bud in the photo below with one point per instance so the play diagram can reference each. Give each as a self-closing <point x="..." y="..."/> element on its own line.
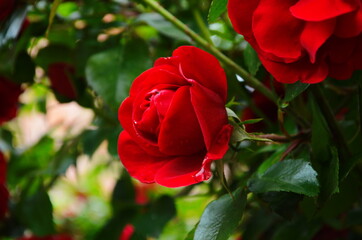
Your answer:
<point x="61" y="79"/>
<point x="302" y="40"/>
<point x="175" y="122"/>
<point x="9" y="97"/>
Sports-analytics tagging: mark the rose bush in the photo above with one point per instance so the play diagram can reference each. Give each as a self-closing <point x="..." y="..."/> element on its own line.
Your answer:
<point x="60" y="76"/>
<point x="175" y="122"/>
<point x="9" y="96"/>
<point x="305" y="40"/>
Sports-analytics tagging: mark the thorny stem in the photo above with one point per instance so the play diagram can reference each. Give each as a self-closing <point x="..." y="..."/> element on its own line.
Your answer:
<point x="249" y="79"/>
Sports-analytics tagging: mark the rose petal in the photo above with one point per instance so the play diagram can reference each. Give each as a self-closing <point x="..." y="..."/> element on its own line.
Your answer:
<point x="200" y="66"/>
<point x="138" y="162"/>
<point x="210" y="112"/>
<point x="319" y="10"/>
<point x="315" y="34"/>
<point x="281" y="35"/>
<point x="180" y="132"/>
<point x="181" y="171"/>
<point x="157" y="76"/>
<point x="241" y="15"/>
<point x="301" y="70"/>
<point x="125" y="117"/>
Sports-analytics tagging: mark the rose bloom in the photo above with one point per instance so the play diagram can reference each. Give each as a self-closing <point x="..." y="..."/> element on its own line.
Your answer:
<point x="6" y="7"/>
<point x="60" y="75"/>
<point x="9" y="97"/>
<point x="175" y="122"/>
<point x="305" y="40"/>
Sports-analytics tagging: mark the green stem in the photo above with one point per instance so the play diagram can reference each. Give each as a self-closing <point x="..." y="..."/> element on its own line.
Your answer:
<point x="201" y="24"/>
<point x="331" y="121"/>
<point x="249" y="79"/>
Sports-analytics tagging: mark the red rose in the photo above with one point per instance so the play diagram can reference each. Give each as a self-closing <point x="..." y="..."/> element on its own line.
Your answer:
<point x="127" y="232"/>
<point x="60" y="76"/>
<point x="9" y="96"/>
<point x="6" y="7"/>
<point x="305" y="40"/>
<point x="4" y="194"/>
<point x="174" y="120"/>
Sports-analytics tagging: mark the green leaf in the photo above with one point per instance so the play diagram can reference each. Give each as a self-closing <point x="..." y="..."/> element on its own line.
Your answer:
<point x="110" y="73"/>
<point x="35" y="209"/>
<point x="159" y="213"/>
<point x="123" y="192"/>
<point x="293" y="90"/>
<point x="221" y="217"/>
<point x="53" y="11"/>
<point x="25" y="63"/>
<point x="163" y="26"/>
<point x="251" y="60"/>
<point x="324" y="155"/>
<point x="217" y="8"/>
<point x="296" y="176"/>
<point x="298" y="229"/>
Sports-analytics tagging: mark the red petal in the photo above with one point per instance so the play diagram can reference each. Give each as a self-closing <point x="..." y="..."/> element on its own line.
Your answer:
<point x="196" y="64"/>
<point x="180" y="132"/>
<point x="125" y="113"/>
<point x="315" y="34"/>
<point x="138" y="162"/>
<point x="181" y="171"/>
<point x="276" y="30"/>
<point x="301" y="70"/>
<point x="158" y="75"/>
<point x="210" y="112"/>
<point x="241" y="15"/>
<point x="319" y="10"/>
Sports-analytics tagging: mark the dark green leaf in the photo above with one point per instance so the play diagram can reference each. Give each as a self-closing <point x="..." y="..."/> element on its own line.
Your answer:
<point x="298" y="229"/>
<point x="324" y="156"/>
<point x="191" y="234"/>
<point x="165" y="27"/>
<point x="36" y="210"/>
<point x="221" y="217"/>
<point x="53" y="54"/>
<point x="25" y="63"/>
<point x="123" y="192"/>
<point x="159" y="213"/>
<point x="217" y="8"/>
<point x="283" y="203"/>
<point x="251" y="60"/>
<point x="290" y="176"/>
<point x="110" y="73"/>
<point x="293" y="90"/>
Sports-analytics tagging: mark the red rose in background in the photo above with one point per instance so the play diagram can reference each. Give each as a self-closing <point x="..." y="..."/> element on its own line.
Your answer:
<point x="127" y="232"/>
<point x="55" y="237"/>
<point x="9" y="97"/>
<point x="60" y="76"/>
<point x="175" y="122"/>
<point x="328" y="233"/>
<point x="305" y="40"/>
<point x="6" y="7"/>
<point x="4" y="194"/>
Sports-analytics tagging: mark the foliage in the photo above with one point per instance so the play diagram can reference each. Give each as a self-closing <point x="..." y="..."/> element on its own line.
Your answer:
<point x="296" y="175"/>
